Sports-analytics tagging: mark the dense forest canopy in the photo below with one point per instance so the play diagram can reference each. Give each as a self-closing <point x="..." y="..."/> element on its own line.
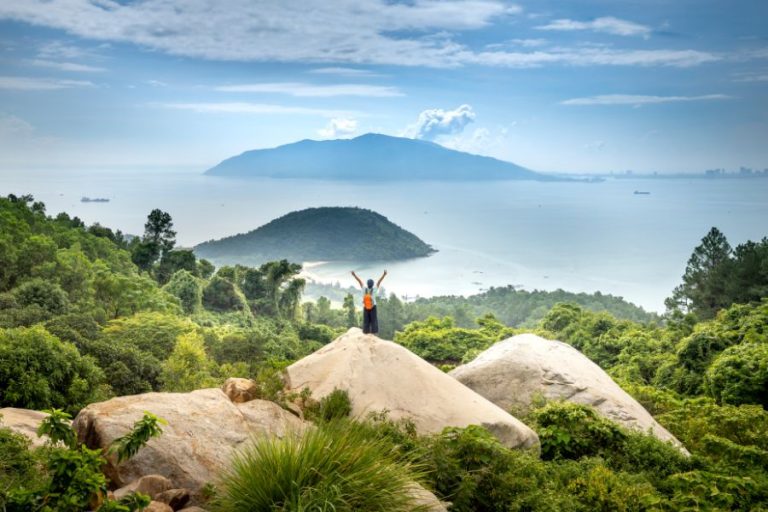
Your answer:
<point x="86" y="315"/>
<point x="319" y="234"/>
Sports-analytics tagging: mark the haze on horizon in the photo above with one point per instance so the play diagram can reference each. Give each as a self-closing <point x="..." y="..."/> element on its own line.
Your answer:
<point x="551" y="85"/>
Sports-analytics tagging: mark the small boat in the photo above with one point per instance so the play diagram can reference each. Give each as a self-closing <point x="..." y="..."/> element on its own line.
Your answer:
<point x="94" y="200"/>
<point x="642" y="193"/>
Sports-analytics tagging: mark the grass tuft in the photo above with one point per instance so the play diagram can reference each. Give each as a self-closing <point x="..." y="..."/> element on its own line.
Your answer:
<point x="337" y="467"/>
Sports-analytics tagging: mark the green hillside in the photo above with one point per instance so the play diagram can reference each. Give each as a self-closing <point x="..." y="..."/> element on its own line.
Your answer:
<point x="319" y="234"/>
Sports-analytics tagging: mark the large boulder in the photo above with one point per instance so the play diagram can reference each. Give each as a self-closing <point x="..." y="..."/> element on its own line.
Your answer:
<point x="203" y="429"/>
<point x="381" y="375"/>
<point x="513" y="372"/>
<point x="24" y="421"/>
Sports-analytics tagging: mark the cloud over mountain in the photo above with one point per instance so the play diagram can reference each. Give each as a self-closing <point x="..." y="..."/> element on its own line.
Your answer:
<point x="435" y="122"/>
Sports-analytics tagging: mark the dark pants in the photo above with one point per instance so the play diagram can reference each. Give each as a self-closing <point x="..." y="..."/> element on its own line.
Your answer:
<point x="370" y="322"/>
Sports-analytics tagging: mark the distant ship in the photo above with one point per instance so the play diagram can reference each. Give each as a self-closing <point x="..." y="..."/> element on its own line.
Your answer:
<point x="642" y="193"/>
<point x="94" y="200"/>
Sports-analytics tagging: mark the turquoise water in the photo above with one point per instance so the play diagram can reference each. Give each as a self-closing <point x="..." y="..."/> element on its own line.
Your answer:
<point x="575" y="236"/>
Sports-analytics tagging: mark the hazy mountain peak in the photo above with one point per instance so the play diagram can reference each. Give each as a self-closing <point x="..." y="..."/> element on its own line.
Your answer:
<point x="371" y="156"/>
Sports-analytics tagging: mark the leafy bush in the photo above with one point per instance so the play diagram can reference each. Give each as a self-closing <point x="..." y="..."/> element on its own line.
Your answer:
<point x="17" y="463"/>
<point x="222" y="295"/>
<point x="75" y="481"/>
<point x="45" y="294"/>
<point x="188" y="289"/>
<point x="154" y="333"/>
<point x="333" y="406"/>
<point x="38" y="371"/>
<point x="571" y="431"/>
<point x="188" y="367"/>
<point x="698" y="423"/>
<point x="333" y="468"/>
<point x="740" y="375"/>
<point x="439" y="340"/>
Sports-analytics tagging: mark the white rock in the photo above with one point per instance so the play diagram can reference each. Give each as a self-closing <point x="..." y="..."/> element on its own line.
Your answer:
<point x="24" y="421"/>
<point x="381" y="375"/>
<point x="204" y="427"/>
<point x="513" y="372"/>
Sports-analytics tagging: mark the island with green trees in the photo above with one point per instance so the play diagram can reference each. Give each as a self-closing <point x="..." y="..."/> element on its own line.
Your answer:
<point x="319" y="234"/>
<point x="88" y="316"/>
<point x="372" y="156"/>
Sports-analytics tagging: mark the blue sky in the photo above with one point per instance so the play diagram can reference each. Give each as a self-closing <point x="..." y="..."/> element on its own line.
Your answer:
<point x="600" y="85"/>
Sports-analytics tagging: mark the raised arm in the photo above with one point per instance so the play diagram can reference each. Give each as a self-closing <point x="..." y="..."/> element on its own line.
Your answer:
<point x="378" y="285"/>
<point x="359" y="281"/>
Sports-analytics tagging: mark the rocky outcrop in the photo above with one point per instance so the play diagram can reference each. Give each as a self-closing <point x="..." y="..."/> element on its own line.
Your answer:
<point x="151" y="485"/>
<point x="380" y="375"/>
<point x="513" y="372"/>
<point x="426" y="500"/>
<point x="24" y="421"/>
<point x="204" y="427"/>
<point x="240" y="390"/>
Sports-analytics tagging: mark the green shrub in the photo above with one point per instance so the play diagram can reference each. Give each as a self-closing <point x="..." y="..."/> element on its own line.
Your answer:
<point x="188" y="367"/>
<point x="45" y="294"/>
<point x="333" y="468"/>
<point x="154" y="333"/>
<point x="39" y="371"/>
<point x="222" y="295"/>
<point x="17" y="463"/>
<point x="571" y="431"/>
<point x="471" y="469"/>
<point x="739" y="375"/>
<point x="188" y="289"/>
<point x="333" y="406"/>
<point x="597" y="488"/>
<point x="316" y="332"/>
<point x="75" y="481"/>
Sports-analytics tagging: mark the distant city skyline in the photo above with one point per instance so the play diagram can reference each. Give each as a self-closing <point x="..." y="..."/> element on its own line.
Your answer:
<point x="553" y="85"/>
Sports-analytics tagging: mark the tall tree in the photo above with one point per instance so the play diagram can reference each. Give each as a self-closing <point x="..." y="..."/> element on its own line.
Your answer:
<point x="349" y="307"/>
<point x="159" y="238"/>
<point x="159" y="230"/>
<point x="705" y="282"/>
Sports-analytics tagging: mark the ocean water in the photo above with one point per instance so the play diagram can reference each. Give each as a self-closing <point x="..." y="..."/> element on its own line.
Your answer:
<point x="574" y="236"/>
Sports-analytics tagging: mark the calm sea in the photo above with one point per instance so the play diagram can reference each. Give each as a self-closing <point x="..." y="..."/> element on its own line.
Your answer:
<point x="575" y="236"/>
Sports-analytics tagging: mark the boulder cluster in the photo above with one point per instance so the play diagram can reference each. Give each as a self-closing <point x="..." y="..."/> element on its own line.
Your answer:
<point x="205" y="427"/>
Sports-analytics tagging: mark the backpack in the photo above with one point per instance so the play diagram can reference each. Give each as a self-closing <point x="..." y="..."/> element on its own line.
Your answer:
<point x="368" y="299"/>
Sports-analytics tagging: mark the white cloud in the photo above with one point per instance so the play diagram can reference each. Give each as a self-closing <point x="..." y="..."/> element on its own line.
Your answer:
<point x="23" y="83"/>
<point x="352" y="32"/>
<point x="607" y="25"/>
<point x="61" y="50"/>
<point x="346" y="72"/>
<point x="437" y="122"/>
<point x="529" y="43"/>
<point x="256" y="108"/>
<point x="66" y="66"/>
<point x="594" y="57"/>
<point x="12" y="127"/>
<point x="337" y="127"/>
<point x="638" y="100"/>
<point x="312" y="90"/>
<point x="751" y="76"/>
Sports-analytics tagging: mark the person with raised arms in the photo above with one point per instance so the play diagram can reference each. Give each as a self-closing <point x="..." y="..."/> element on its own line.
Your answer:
<point x="370" y="320"/>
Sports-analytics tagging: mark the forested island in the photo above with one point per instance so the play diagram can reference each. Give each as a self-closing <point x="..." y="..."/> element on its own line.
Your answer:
<point x="371" y="157"/>
<point x="319" y="234"/>
<point x="87" y="316"/>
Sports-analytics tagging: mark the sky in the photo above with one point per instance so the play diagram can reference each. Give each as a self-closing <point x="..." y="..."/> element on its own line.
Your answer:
<point x="553" y="85"/>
